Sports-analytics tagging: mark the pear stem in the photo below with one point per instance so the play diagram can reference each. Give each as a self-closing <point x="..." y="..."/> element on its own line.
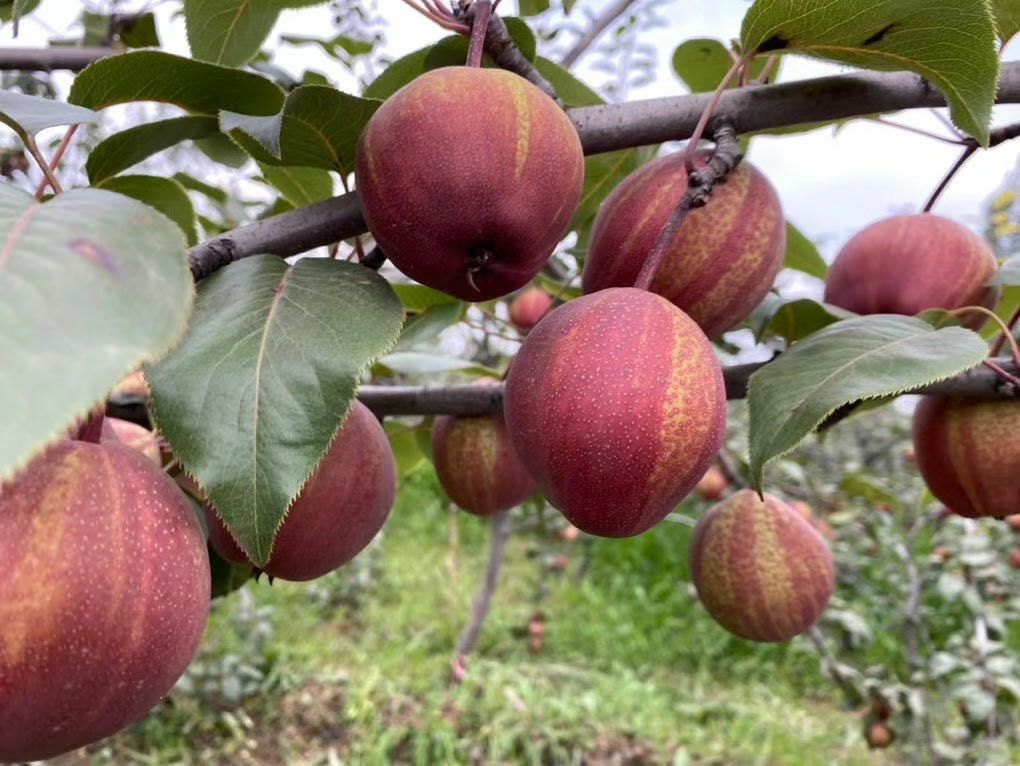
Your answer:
<point x="1007" y="333"/>
<point x="966" y="155"/>
<point x="92" y="429"/>
<point x="479" y="25"/>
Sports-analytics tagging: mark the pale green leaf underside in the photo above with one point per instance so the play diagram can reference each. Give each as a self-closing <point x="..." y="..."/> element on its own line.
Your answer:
<point x="951" y="43"/>
<point x="1009" y="273"/>
<point x="92" y="284"/>
<point x="228" y="32"/>
<point x="27" y="115"/>
<point x="854" y="359"/>
<point x="268" y="369"/>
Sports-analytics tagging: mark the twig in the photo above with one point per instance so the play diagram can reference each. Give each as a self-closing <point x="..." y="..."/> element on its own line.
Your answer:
<point x="1006" y="376"/>
<point x="599" y="25"/>
<point x="51" y="178"/>
<point x="833" y="667"/>
<point x="58" y="155"/>
<point x="691" y="152"/>
<point x="967" y="153"/>
<point x="725" y="157"/>
<point x="919" y="131"/>
<point x="506" y="55"/>
<point x="48" y="59"/>
<point x="500" y="534"/>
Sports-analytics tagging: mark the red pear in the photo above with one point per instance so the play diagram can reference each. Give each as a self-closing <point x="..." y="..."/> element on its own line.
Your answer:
<point x="761" y="571"/>
<point x="724" y="257"/>
<point x="477" y="465"/>
<point x="910" y="263"/>
<point x="713" y="484"/>
<point x="616" y="406"/>
<point x="104" y="594"/>
<point x="340" y="510"/>
<point x="469" y="179"/>
<point x="969" y="454"/>
<point x="529" y="307"/>
<point x="132" y="435"/>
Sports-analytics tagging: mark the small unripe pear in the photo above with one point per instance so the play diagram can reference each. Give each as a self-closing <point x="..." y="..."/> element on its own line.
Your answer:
<point x="713" y="484"/>
<point x="761" y="571"/>
<point x="529" y="307"/>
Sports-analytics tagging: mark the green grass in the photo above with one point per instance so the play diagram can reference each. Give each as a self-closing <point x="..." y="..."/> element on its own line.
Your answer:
<point x="356" y="669"/>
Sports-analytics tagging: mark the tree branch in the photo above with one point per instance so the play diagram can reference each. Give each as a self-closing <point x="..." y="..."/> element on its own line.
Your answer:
<point x="611" y="127"/>
<point x="48" y="59"/>
<point x="500" y="534"/>
<point x="598" y="26"/>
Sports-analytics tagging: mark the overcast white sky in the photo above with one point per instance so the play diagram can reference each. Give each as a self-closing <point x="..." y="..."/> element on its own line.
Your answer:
<point x="831" y="185"/>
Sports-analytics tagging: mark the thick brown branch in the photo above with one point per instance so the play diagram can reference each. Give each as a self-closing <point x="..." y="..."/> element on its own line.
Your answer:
<point x="619" y="126"/>
<point x="48" y="59"/>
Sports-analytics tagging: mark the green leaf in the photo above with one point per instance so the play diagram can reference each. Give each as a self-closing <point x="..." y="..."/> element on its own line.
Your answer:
<point x="450" y="51"/>
<point x="802" y="255"/>
<point x="427" y="326"/>
<point x="27" y="115"/>
<point x="193" y="184"/>
<point x="602" y="174"/>
<point x="317" y="127"/>
<point x="91" y="285"/>
<point x="419" y="298"/>
<point x="192" y="85"/>
<point x="865" y="487"/>
<point x="1008" y="274"/>
<point x="798" y="319"/>
<point x="950" y="43"/>
<point x="859" y="358"/>
<point x="221" y="149"/>
<point x="419" y="363"/>
<point x="264" y="377"/>
<point x="532" y="7"/>
<point x="702" y="64"/>
<point x="299" y="186"/>
<point x="557" y="289"/>
<point x="12" y="10"/>
<point x="1007" y="18"/>
<point x="129" y="147"/>
<point x="140" y="31"/>
<point x="228" y="32"/>
<point x="164" y="194"/>
<point x="406" y="446"/>
<point x="572" y="92"/>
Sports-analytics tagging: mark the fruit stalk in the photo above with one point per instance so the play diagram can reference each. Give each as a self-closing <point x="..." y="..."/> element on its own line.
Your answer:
<point x="92" y="429"/>
<point x="479" y="27"/>
<point x="725" y="157"/>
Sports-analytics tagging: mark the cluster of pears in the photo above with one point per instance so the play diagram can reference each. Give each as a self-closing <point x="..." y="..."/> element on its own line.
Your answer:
<point x="105" y="588"/>
<point x="615" y="405"/>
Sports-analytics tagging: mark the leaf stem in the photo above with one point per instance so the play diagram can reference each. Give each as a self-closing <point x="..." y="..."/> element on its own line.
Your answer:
<point x="1002" y="338"/>
<point x="997" y="320"/>
<point x="55" y="161"/>
<point x="1006" y="376"/>
<point x="919" y="131"/>
<point x="51" y="178"/>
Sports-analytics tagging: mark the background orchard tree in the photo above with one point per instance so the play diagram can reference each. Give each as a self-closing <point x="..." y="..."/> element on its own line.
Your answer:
<point x="293" y="264"/>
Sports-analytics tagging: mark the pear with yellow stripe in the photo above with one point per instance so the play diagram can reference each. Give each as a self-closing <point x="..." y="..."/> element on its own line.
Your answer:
<point x="722" y="260"/>
<point x="104" y="594"/>
<point x="968" y="451"/>
<point x="477" y="465"/>
<point x="468" y="179"/>
<point x="615" y="404"/>
<point x="762" y="571"/>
